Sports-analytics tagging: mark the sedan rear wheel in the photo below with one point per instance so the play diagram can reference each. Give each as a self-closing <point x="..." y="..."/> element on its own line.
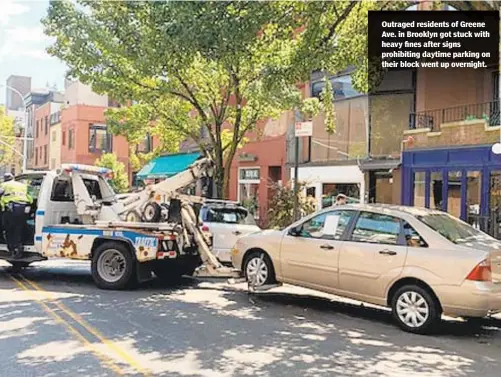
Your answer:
<point x="415" y="309"/>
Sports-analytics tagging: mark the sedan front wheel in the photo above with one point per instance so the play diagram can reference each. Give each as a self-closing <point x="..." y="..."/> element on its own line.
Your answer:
<point x="258" y="269"/>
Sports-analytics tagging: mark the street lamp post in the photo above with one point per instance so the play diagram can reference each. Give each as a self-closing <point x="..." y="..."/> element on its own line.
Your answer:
<point x="25" y="138"/>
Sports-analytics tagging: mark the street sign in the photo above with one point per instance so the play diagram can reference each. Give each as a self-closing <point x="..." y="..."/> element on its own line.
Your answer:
<point x="304" y="129"/>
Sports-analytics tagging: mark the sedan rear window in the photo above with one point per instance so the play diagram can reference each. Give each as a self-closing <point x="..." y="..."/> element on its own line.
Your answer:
<point x="229" y="216"/>
<point x="454" y="230"/>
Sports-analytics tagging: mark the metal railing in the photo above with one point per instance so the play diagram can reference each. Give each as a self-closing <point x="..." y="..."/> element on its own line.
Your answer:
<point x="433" y="119"/>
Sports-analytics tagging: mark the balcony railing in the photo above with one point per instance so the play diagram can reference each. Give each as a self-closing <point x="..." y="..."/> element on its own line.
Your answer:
<point x="432" y="119"/>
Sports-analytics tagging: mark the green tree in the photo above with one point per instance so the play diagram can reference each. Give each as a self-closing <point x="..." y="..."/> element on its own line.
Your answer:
<point x="281" y="209"/>
<point x="7" y="139"/>
<point x="198" y="68"/>
<point x="120" y="180"/>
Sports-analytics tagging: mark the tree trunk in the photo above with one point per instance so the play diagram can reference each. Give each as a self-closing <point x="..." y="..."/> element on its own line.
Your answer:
<point x="219" y="180"/>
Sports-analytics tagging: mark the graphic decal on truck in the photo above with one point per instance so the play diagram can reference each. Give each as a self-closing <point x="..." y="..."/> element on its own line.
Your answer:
<point x="77" y="243"/>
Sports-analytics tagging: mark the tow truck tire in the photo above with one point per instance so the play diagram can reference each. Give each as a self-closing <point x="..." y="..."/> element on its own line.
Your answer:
<point x="133" y="217"/>
<point x="19" y="265"/>
<point x="152" y="212"/>
<point x="113" y="266"/>
<point x="167" y="272"/>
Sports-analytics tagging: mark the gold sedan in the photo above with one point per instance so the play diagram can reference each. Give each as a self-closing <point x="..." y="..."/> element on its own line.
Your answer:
<point x="419" y="262"/>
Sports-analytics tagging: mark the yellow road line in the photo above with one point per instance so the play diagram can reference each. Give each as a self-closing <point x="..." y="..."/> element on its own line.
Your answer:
<point x="105" y="359"/>
<point x="124" y="355"/>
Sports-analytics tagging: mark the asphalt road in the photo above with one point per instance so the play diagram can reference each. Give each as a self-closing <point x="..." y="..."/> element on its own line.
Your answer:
<point x="55" y="322"/>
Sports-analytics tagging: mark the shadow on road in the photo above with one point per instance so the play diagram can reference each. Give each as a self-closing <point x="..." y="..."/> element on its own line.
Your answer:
<point x="208" y="328"/>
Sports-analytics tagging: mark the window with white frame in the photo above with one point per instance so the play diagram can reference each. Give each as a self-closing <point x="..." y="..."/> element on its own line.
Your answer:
<point x="248" y="189"/>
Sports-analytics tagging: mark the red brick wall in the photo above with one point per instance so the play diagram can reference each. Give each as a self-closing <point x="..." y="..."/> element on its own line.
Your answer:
<point x="42" y="140"/>
<point x="78" y="118"/>
<point x="451" y="134"/>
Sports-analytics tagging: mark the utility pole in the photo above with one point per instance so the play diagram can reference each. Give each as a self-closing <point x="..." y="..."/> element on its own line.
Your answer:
<point x="300" y="129"/>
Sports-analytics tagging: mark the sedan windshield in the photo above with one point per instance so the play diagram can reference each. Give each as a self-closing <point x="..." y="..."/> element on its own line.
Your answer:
<point x="454" y="230"/>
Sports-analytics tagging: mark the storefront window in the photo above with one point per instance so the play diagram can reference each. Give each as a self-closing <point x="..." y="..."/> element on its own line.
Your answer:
<point x="454" y="194"/>
<point x="248" y="190"/>
<point x="493" y="226"/>
<point x="473" y="194"/>
<point x="331" y="190"/>
<point x="436" y="184"/>
<point x="419" y="188"/>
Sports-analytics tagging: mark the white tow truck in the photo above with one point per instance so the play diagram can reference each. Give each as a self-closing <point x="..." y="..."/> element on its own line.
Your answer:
<point x="77" y="215"/>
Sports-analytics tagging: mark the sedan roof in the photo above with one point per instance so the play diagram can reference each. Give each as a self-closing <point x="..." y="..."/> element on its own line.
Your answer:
<point x="390" y="209"/>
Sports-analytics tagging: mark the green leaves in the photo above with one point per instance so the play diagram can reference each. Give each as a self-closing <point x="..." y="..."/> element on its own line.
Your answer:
<point x="207" y="71"/>
<point x="7" y="139"/>
<point x="120" y="180"/>
<point x="281" y="207"/>
<point x="328" y="106"/>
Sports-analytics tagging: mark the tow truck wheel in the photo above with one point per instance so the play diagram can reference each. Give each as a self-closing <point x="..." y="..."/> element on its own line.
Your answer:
<point x="112" y="266"/>
<point x="19" y="265"/>
<point x="133" y="217"/>
<point x="152" y="212"/>
<point x="167" y="272"/>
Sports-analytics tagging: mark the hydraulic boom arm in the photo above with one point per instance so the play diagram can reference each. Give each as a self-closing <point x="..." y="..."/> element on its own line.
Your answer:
<point x="169" y="186"/>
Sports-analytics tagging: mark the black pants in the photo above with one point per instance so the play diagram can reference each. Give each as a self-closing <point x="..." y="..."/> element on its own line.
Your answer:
<point x="14" y="219"/>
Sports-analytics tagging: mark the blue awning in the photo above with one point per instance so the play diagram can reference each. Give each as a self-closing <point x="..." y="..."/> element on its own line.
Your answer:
<point x="167" y="166"/>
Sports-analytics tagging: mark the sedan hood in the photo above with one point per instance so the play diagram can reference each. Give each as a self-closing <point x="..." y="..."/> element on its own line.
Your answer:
<point x="266" y="232"/>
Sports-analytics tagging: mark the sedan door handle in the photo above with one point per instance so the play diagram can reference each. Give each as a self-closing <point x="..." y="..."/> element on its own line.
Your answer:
<point x="237" y="232"/>
<point x="327" y="247"/>
<point x="388" y="252"/>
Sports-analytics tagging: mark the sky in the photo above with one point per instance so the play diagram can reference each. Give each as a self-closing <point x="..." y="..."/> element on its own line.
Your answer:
<point x="23" y="43"/>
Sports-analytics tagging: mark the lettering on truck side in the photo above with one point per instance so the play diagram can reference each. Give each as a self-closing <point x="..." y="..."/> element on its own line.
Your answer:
<point x="148" y="242"/>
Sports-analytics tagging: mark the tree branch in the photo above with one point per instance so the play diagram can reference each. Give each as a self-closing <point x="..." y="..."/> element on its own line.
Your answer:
<point x="332" y="29"/>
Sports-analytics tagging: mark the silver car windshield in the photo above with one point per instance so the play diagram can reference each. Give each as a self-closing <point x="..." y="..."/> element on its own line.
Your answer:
<point x="454" y="230"/>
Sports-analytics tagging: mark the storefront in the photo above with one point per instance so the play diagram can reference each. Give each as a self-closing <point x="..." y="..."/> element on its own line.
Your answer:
<point x="324" y="183"/>
<point x="249" y="180"/>
<point x="463" y="181"/>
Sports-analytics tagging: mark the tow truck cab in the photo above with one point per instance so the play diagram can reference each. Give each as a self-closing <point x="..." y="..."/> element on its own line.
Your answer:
<point x="75" y="215"/>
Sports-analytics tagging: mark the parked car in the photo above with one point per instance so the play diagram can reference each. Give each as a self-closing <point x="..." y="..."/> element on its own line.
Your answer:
<point x="226" y="221"/>
<point x="422" y="263"/>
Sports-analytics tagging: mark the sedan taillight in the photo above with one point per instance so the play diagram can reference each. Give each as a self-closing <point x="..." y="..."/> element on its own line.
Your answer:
<point x="481" y="272"/>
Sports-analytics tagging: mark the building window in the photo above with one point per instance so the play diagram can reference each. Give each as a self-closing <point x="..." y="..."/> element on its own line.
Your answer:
<point x="63" y="142"/>
<point x="36" y="156"/>
<point x="38" y="124"/>
<point x="99" y="139"/>
<point x="248" y="189"/>
<point x="54" y="136"/>
<point x="146" y="146"/>
<point x="342" y="87"/>
<point x="46" y="125"/>
<point x="70" y="138"/>
<point x="52" y="163"/>
<point x="45" y="155"/>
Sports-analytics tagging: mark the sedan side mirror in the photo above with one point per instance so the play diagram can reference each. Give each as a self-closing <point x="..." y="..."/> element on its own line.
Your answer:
<point x="295" y="231"/>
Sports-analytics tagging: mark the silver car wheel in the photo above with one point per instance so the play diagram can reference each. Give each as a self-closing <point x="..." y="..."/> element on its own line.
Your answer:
<point x="257" y="269"/>
<point x="412" y="309"/>
<point x="111" y="265"/>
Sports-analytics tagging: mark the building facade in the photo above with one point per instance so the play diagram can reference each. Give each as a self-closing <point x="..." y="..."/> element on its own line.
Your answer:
<point x="448" y="162"/>
<point x="85" y="136"/>
<point x="34" y="100"/>
<point x="21" y="84"/>
<point x="46" y="115"/>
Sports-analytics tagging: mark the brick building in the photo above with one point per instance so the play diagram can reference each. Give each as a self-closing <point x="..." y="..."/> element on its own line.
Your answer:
<point x="85" y="137"/>
<point x="447" y="162"/>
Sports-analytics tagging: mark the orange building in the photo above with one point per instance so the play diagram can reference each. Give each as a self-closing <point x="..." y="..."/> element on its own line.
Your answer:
<point x="85" y="136"/>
